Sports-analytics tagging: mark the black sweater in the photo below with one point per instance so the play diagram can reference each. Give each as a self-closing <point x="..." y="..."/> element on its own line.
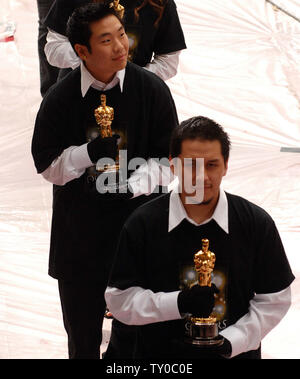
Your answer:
<point x="84" y="228"/>
<point x="250" y="259"/>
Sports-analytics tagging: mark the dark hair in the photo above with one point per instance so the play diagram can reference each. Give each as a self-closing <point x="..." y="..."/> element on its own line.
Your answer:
<point x="201" y="128"/>
<point x="158" y="5"/>
<point x="78" y="26"/>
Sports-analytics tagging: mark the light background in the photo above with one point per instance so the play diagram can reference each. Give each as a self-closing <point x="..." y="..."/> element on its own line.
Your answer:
<point x="241" y="68"/>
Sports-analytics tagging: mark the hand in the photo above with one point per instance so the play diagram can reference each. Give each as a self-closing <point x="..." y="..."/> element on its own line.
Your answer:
<point x="103" y="148"/>
<point x="197" y="300"/>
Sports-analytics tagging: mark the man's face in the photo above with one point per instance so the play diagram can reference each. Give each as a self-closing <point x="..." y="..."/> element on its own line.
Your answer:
<point x="214" y="168"/>
<point x="108" y="48"/>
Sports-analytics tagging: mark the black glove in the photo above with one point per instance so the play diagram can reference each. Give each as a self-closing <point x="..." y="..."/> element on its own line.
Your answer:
<point x="103" y="148"/>
<point x="197" y="300"/>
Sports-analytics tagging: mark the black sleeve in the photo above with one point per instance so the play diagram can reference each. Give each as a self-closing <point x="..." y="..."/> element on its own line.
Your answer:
<point x="127" y="270"/>
<point x="48" y="141"/>
<point x="272" y="272"/>
<point x="164" y="120"/>
<point x="169" y="37"/>
<point x="60" y="12"/>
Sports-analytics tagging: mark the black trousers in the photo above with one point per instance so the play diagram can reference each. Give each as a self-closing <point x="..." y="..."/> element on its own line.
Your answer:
<point x="83" y="308"/>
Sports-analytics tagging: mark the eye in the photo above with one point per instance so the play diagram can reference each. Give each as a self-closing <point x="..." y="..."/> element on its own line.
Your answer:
<point x="107" y="40"/>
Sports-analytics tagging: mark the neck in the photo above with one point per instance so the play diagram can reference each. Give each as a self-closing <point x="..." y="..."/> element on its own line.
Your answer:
<point x="102" y="76"/>
<point x="200" y="212"/>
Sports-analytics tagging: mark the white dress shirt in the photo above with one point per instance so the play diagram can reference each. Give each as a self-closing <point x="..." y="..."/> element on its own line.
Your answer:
<point x="138" y="306"/>
<point x="74" y="160"/>
<point x="60" y="53"/>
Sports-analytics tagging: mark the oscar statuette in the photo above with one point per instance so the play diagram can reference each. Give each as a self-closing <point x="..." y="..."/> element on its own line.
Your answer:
<point x="203" y="331"/>
<point x="118" y="8"/>
<point x="104" y="116"/>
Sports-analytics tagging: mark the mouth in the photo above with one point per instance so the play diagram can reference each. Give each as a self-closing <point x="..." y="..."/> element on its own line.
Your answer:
<point x="120" y="58"/>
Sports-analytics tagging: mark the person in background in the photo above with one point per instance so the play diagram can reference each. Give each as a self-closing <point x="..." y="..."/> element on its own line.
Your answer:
<point x="152" y="26"/>
<point x="154" y="284"/>
<point x="48" y="73"/>
<point x="66" y="147"/>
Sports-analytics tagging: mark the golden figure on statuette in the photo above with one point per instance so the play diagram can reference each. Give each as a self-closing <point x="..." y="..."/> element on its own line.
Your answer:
<point x="104" y="116"/>
<point x="118" y="8"/>
<point x="204" y="330"/>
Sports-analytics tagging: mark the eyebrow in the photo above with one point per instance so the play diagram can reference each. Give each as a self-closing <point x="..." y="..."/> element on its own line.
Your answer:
<point x="109" y="34"/>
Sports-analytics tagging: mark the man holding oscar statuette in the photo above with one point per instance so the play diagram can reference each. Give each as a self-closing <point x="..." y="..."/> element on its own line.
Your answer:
<point x="103" y="114"/>
<point x="202" y="272"/>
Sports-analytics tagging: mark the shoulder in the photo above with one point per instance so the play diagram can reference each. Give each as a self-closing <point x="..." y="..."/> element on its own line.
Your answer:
<point x="149" y="216"/>
<point x="247" y="211"/>
<point x="170" y="4"/>
<point x="140" y="75"/>
<point x="66" y="90"/>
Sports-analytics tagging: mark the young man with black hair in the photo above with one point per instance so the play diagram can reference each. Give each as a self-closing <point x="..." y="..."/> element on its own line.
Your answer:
<point x="153" y="282"/>
<point x="66" y="146"/>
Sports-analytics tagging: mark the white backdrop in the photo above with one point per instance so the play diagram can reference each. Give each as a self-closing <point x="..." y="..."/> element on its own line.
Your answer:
<point x="241" y="68"/>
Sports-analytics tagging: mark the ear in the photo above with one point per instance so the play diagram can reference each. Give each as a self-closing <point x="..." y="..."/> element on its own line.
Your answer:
<point x="172" y="165"/>
<point x="82" y="51"/>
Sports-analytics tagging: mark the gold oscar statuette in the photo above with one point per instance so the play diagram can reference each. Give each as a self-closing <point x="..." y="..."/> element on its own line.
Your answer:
<point x="104" y="116"/>
<point x="203" y="331"/>
<point x="118" y="8"/>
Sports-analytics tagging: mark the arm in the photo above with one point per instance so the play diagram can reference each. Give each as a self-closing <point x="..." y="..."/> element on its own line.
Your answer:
<point x="265" y="312"/>
<point x="58" y="162"/>
<point x="147" y="177"/>
<point x="164" y="65"/>
<point x="71" y="164"/>
<point x="59" y="51"/>
<point x="137" y="306"/>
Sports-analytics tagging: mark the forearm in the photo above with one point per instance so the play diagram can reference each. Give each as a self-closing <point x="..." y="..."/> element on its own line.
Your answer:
<point x="59" y="51"/>
<point x="165" y="65"/>
<point x="71" y="164"/>
<point x="148" y="176"/>
<point x="265" y="312"/>
<point x="137" y="306"/>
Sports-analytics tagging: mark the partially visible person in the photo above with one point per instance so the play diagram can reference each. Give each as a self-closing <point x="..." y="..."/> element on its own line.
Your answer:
<point x="48" y="73"/>
<point x="66" y="147"/>
<point x="153" y="28"/>
<point x="154" y="284"/>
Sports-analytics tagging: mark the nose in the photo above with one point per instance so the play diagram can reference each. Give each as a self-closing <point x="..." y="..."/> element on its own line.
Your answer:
<point x="205" y="175"/>
<point x="118" y="46"/>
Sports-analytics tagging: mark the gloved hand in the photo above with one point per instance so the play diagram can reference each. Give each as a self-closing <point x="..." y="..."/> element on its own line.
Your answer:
<point x="197" y="300"/>
<point x="103" y="148"/>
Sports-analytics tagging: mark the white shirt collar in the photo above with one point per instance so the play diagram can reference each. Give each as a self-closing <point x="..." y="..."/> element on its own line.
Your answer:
<point x="87" y="81"/>
<point x="177" y="212"/>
